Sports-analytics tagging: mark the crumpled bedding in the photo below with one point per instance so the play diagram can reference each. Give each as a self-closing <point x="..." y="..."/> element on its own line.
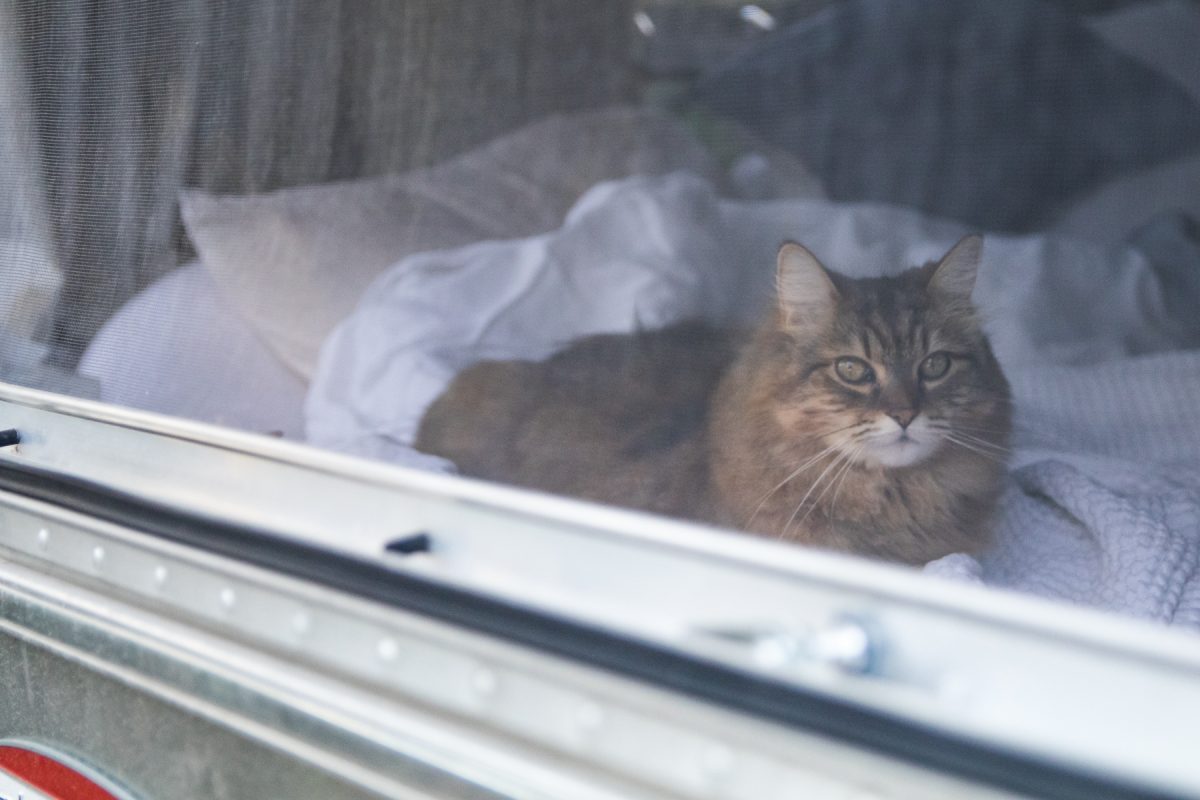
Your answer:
<point x="999" y="114"/>
<point x="1102" y="505"/>
<point x="1103" y="502"/>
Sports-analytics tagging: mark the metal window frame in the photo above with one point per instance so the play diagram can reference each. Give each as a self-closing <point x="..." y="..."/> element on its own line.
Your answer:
<point x="549" y="648"/>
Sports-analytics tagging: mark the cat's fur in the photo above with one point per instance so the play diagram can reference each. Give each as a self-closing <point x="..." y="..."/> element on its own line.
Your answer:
<point x="763" y="432"/>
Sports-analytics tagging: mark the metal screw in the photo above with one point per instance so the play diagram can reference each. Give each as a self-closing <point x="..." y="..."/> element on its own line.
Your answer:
<point x="387" y="649"/>
<point x="484" y="682"/>
<point x="845" y="644"/>
<point x="589" y="717"/>
<point x="716" y="762"/>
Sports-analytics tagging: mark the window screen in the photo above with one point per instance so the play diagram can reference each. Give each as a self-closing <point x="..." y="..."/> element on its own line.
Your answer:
<point x="914" y="281"/>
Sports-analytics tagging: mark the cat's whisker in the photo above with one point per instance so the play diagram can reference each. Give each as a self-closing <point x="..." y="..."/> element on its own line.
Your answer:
<point x="975" y="450"/>
<point x="999" y="448"/>
<point x="958" y="425"/>
<point x="813" y="437"/>
<point x="1019" y="422"/>
<point x="974" y="426"/>
<point x="957" y="432"/>
<point x="875" y="437"/>
<point x="840" y="480"/>
<point x="837" y="460"/>
<point x="961" y="431"/>
<point x="833" y="501"/>
<point x="849" y="460"/>
<point x="983" y="433"/>
<point x="1022" y="427"/>
<point x="805" y="465"/>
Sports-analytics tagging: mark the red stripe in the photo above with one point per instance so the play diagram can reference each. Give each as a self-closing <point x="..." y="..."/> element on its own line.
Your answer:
<point x="48" y="776"/>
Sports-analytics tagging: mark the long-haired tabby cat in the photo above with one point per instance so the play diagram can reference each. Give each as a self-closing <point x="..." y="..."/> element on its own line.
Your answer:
<point x="866" y="415"/>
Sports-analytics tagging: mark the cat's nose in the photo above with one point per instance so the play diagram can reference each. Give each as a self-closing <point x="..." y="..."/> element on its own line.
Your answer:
<point x="903" y="416"/>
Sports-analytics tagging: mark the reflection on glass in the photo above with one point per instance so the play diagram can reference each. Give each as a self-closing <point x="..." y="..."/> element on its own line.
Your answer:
<point x="543" y="243"/>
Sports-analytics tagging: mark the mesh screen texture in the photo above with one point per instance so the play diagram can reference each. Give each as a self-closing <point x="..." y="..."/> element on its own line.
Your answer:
<point x="196" y="195"/>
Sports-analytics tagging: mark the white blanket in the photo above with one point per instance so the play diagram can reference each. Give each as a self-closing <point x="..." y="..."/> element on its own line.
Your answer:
<point x="1103" y="505"/>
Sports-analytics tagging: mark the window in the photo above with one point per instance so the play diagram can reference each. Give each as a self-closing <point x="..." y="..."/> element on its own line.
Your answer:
<point x="562" y="370"/>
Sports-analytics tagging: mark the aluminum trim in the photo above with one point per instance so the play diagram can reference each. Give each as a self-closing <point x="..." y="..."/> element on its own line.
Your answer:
<point x="991" y="606"/>
<point x="921" y="616"/>
<point x="616" y="718"/>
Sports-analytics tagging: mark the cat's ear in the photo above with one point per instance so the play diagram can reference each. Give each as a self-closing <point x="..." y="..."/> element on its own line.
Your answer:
<point x="954" y="275"/>
<point x="806" y="292"/>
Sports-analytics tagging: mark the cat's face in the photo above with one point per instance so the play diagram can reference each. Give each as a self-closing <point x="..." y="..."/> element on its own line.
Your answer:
<point x="890" y="370"/>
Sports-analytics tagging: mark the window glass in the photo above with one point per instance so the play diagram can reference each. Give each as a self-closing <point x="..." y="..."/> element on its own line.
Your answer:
<point x="913" y="281"/>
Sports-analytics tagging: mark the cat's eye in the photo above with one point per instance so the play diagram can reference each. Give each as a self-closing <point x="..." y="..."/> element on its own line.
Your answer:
<point x="853" y="370"/>
<point x="934" y="366"/>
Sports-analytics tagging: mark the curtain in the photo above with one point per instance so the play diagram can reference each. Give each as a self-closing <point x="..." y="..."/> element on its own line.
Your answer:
<point x="132" y="100"/>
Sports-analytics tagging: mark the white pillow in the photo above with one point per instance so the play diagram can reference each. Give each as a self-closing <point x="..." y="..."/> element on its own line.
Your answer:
<point x="296" y="261"/>
<point x="177" y="348"/>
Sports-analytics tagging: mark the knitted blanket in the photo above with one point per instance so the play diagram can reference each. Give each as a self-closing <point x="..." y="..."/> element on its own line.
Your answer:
<point x="1103" y="501"/>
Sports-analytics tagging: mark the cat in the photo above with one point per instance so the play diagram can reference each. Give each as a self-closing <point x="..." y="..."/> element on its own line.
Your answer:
<point x="863" y="415"/>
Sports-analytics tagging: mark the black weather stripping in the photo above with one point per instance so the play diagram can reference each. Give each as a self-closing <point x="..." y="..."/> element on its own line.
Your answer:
<point x="408" y="545"/>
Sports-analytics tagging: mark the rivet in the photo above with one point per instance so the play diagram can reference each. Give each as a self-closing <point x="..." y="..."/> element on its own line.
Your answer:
<point x="777" y="651"/>
<point x="43" y="537"/>
<point x="160" y="575"/>
<point x="867" y="794"/>
<point x="97" y="555"/>
<point x="228" y="597"/>
<point x="484" y="682"/>
<point x="955" y="688"/>
<point x="300" y="623"/>
<point x="589" y="717"/>
<point x="387" y="649"/>
<point x="716" y="761"/>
